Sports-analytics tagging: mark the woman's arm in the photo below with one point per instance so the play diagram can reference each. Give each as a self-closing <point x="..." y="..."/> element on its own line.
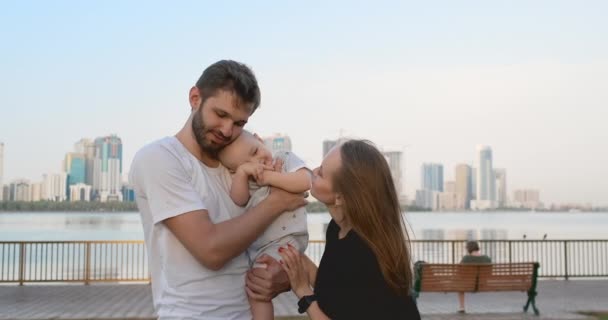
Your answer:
<point x="311" y="269"/>
<point x="315" y="313"/>
<point x="298" y="267"/>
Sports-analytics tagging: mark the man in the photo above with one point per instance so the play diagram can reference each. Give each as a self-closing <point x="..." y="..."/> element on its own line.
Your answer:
<point x="474" y="256"/>
<point x="195" y="235"/>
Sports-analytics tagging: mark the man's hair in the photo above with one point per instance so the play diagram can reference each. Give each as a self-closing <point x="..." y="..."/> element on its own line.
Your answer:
<point x="232" y="76"/>
<point x="472" y="246"/>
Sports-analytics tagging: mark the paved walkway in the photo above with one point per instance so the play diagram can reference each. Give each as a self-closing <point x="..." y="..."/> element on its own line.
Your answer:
<point x="557" y="299"/>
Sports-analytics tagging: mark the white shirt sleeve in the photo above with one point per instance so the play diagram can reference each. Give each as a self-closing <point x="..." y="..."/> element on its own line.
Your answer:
<point x="159" y="178"/>
<point x="291" y="162"/>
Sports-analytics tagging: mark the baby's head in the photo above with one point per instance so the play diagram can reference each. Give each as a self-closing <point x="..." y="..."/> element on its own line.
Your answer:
<point x="247" y="147"/>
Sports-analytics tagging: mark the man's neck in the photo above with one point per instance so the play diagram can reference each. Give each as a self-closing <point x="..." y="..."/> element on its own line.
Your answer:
<point x="186" y="137"/>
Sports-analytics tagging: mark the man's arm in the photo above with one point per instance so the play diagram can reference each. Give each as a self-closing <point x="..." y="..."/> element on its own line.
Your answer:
<point x="213" y="245"/>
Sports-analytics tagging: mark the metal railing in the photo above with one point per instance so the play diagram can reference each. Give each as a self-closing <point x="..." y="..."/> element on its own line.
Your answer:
<point x="126" y="261"/>
<point x="557" y="258"/>
<point x="73" y="261"/>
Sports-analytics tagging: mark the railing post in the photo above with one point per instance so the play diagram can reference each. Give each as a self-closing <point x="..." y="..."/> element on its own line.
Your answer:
<point x="21" y="263"/>
<point x="566" y="258"/>
<point x="510" y="253"/>
<point x="453" y="252"/>
<point x="87" y="270"/>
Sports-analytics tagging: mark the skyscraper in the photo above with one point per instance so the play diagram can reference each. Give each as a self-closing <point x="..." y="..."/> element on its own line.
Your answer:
<point x="20" y="190"/>
<point x="86" y="147"/>
<point x="394" y="163"/>
<point x="431" y="185"/>
<point x="278" y="142"/>
<point x="473" y="183"/>
<point x="75" y="167"/>
<point x="107" y="169"/>
<point x="501" y="187"/>
<point x="1" y="169"/>
<point x="486" y="181"/>
<point x="432" y="177"/>
<point x="36" y="191"/>
<point x="464" y="183"/>
<point x="54" y="187"/>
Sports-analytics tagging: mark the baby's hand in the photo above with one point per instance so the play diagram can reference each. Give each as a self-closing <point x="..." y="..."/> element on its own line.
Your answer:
<point x="263" y="178"/>
<point x="278" y="165"/>
<point x="253" y="169"/>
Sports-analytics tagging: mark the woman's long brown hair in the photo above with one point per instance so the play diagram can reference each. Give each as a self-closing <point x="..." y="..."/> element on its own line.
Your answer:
<point x="370" y="202"/>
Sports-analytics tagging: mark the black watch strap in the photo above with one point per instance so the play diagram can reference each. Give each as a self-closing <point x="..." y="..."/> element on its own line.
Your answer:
<point x="305" y="303"/>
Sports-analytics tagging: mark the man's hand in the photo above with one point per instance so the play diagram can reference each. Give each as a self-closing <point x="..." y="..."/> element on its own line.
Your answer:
<point x="266" y="283"/>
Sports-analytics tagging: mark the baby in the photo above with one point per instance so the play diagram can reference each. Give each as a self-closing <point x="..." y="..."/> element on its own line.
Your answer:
<point x="247" y="158"/>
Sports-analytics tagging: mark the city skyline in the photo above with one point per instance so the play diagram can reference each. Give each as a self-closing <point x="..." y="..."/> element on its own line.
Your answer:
<point x="429" y="80"/>
<point x="462" y="182"/>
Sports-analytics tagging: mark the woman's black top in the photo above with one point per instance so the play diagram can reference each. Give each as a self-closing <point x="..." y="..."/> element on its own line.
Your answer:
<point x="350" y="285"/>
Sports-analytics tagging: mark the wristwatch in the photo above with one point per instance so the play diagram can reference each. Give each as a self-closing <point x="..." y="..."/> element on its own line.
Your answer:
<point x="305" y="302"/>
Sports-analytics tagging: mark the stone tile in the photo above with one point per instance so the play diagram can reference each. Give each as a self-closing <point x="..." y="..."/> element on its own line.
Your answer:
<point x="557" y="299"/>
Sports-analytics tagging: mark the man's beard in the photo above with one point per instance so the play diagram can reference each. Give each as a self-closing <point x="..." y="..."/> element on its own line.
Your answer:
<point x="199" y="130"/>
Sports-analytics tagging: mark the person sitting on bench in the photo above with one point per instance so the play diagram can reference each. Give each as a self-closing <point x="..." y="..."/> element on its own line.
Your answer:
<point x="474" y="256"/>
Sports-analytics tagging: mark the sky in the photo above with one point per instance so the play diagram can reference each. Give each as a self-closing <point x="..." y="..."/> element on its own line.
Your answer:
<point x="432" y="79"/>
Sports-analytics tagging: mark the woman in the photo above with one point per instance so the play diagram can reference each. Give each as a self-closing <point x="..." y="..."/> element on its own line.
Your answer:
<point x="365" y="271"/>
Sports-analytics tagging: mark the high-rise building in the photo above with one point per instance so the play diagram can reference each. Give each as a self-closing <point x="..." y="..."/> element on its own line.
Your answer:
<point x="107" y="169"/>
<point x="432" y="177"/>
<point x="278" y="142"/>
<point x="527" y="198"/>
<point x="128" y="193"/>
<point x="20" y="190"/>
<point x="449" y="186"/>
<point x="1" y="169"/>
<point x="427" y="199"/>
<point x="501" y="187"/>
<point x="473" y="183"/>
<point x="75" y="167"/>
<point x="485" y="174"/>
<point x="6" y="193"/>
<point x="464" y="183"/>
<point x="54" y="187"/>
<point x="393" y="158"/>
<point x="36" y="191"/>
<point x="486" y="189"/>
<point x="80" y="192"/>
<point x="450" y="201"/>
<point x="86" y="147"/>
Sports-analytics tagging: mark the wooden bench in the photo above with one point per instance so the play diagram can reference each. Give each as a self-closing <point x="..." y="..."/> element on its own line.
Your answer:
<point x="478" y="278"/>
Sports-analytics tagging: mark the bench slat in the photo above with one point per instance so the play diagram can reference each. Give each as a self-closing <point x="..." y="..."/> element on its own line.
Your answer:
<point x="476" y="277"/>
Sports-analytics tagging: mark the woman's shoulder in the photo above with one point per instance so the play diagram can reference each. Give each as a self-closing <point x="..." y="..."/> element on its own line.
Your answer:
<point x="332" y="228"/>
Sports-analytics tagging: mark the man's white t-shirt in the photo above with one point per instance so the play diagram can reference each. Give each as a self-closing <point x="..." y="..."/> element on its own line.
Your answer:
<point x="168" y="181"/>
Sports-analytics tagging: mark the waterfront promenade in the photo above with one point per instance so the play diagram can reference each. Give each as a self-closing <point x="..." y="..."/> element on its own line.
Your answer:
<point x="557" y="299"/>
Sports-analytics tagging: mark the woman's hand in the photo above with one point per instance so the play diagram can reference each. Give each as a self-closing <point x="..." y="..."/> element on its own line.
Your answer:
<point x="294" y="265"/>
